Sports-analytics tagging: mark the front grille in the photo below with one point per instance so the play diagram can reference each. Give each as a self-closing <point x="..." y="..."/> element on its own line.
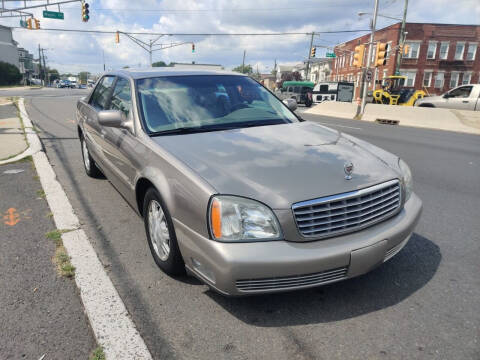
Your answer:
<point x="292" y="282"/>
<point x="348" y="212"/>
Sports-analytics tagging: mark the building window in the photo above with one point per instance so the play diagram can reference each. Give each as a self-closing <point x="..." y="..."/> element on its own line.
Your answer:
<point x="413" y="50"/>
<point x="410" y="82"/>
<point x="444" y="50"/>
<point x="439" y="78"/>
<point x="467" y="78"/>
<point x="427" y="78"/>
<point x="432" y="49"/>
<point x="472" y="50"/>
<point x="459" y="50"/>
<point x="454" y="79"/>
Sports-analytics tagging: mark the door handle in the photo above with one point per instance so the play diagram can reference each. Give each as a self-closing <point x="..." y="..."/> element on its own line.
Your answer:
<point x="465" y="101"/>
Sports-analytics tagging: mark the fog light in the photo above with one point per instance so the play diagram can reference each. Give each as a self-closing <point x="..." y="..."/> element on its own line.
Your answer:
<point x="203" y="270"/>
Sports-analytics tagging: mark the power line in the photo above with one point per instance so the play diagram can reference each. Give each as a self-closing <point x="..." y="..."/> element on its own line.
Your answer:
<point x="198" y="34"/>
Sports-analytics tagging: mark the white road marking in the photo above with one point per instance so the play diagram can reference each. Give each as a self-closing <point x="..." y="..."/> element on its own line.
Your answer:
<point x="342" y="126"/>
<point x="13" y="171"/>
<point x="108" y="316"/>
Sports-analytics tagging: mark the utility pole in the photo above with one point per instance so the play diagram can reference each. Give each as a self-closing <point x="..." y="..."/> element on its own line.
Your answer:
<point x="45" y="71"/>
<point x="39" y="62"/>
<point x="401" y="39"/>
<point x="103" y="53"/>
<point x="309" y="53"/>
<point x="369" y="58"/>
<point x="243" y="61"/>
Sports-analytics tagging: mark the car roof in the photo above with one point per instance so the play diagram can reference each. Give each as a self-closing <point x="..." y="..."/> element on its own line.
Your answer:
<point x="168" y="71"/>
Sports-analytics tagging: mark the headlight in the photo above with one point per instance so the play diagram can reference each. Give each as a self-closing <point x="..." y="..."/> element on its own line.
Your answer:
<point x="235" y="218"/>
<point x="406" y="177"/>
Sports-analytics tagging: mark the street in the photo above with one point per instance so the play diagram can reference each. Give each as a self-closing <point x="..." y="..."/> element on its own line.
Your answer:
<point x="422" y="304"/>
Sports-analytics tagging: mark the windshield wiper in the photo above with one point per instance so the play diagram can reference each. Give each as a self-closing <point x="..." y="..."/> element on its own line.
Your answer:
<point x="183" y="130"/>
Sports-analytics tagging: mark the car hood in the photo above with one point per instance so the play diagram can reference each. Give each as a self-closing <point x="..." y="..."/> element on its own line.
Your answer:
<point x="427" y="99"/>
<point x="278" y="164"/>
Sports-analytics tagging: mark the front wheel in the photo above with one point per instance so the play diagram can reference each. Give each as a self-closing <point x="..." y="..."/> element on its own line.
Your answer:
<point x="161" y="234"/>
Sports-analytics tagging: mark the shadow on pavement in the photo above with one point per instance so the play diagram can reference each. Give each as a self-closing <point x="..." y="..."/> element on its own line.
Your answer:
<point x="389" y="284"/>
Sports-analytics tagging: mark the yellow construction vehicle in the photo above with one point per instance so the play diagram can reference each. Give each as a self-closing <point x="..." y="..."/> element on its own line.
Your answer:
<point x="394" y="92"/>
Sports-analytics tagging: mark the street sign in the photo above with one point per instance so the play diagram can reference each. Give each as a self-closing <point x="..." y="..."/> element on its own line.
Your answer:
<point x="331" y="55"/>
<point x="23" y="23"/>
<point x="53" y="15"/>
<point x="369" y="75"/>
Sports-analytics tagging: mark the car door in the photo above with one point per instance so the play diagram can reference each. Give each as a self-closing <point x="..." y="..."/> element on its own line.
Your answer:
<point x="94" y="132"/>
<point x="459" y="98"/>
<point x="120" y="144"/>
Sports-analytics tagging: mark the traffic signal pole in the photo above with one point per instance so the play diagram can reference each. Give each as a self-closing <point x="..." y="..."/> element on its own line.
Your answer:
<point x="309" y="55"/>
<point x="401" y="40"/>
<point x="369" y="58"/>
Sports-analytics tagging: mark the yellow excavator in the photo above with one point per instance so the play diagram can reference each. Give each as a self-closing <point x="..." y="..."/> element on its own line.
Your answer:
<point x="394" y="92"/>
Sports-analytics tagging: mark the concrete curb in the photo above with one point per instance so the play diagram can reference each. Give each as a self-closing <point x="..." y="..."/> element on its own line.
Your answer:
<point x="113" y="328"/>
<point x="33" y="142"/>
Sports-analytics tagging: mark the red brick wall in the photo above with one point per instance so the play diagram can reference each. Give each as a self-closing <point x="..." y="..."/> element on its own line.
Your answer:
<point x="422" y="33"/>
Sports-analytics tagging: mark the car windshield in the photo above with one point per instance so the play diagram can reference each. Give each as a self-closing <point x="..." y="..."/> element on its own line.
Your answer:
<point x="207" y="103"/>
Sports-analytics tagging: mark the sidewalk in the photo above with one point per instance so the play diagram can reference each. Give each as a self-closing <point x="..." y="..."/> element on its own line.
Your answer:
<point x="40" y="309"/>
<point x="432" y="118"/>
<point x="11" y="131"/>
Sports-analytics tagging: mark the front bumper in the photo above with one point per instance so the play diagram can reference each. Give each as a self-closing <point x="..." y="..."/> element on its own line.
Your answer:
<point x="273" y="266"/>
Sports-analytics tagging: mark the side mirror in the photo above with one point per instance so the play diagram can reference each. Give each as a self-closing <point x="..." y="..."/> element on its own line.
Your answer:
<point x="291" y="103"/>
<point x="114" y="118"/>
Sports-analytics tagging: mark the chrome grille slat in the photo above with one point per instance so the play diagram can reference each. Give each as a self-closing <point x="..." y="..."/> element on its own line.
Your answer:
<point x="345" y="207"/>
<point x="291" y="282"/>
<point x="347" y="212"/>
<point x="382" y="205"/>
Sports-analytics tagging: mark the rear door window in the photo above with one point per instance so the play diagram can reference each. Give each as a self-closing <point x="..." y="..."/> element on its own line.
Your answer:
<point x="296" y="89"/>
<point x="101" y="94"/>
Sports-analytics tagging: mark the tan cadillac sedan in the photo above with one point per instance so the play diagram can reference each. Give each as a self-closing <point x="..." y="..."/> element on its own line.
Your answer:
<point x="236" y="189"/>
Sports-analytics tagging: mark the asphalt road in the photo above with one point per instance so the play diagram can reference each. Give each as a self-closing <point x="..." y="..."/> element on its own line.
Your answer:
<point x="422" y="304"/>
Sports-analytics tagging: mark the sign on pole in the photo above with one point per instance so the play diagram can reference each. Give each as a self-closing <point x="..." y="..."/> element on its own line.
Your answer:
<point x="369" y="75"/>
<point x="331" y="55"/>
<point x="53" y="15"/>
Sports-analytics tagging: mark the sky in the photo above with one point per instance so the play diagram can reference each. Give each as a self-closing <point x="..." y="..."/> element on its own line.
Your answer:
<point x="75" y="52"/>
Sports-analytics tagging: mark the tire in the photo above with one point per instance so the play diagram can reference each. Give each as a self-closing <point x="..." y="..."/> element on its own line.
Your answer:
<point x="171" y="261"/>
<point x="88" y="163"/>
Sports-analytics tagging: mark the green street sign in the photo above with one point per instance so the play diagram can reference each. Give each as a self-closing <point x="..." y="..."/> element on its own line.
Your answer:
<point x="53" y="14"/>
<point x="332" y="55"/>
<point x="23" y="23"/>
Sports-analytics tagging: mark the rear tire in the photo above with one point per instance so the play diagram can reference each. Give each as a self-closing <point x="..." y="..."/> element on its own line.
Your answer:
<point x="88" y="163"/>
<point x="161" y="236"/>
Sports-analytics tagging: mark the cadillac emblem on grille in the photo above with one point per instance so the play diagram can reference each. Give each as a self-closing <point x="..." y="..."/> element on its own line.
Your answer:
<point x="348" y="168"/>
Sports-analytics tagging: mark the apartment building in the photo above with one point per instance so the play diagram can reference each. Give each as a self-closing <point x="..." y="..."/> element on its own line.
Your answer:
<point x="439" y="57"/>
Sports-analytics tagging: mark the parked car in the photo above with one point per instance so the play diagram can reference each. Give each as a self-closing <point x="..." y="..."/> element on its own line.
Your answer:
<point x="236" y="189"/>
<point x="63" y="84"/>
<point x="301" y="91"/>
<point x="464" y="97"/>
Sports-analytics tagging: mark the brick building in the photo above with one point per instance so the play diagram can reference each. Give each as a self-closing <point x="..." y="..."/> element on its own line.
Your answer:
<point x="440" y="56"/>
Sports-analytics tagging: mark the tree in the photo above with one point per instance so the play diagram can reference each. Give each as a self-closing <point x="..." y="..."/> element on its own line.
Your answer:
<point x="54" y="75"/>
<point x="159" y="64"/>
<point x="9" y="74"/>
<point x="83" y="77"/>
<point x="247" y="69"/>
<point x="296" y="76"/>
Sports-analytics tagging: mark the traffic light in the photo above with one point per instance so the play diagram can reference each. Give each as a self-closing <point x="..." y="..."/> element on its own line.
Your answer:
<point x="29" y="24"/>
<point x="358" y="56"/>
<point x="405" y="49"/>
<point x="117" y="37"/>
<point x="193" y="47"/>
<point x="313" y="50"/>
<point x="381" y="54"/>
<point x="85" y="11"/>
<point x="37" y="24"/>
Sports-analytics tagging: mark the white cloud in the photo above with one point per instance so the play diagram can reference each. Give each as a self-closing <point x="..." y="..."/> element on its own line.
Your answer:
<point x="74" y="52"/>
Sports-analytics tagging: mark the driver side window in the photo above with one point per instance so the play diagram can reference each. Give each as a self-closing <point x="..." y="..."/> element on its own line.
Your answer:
<point x="121" y="97"/>
<point x="101" y="93"/>
<point x="461" y="92"/>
